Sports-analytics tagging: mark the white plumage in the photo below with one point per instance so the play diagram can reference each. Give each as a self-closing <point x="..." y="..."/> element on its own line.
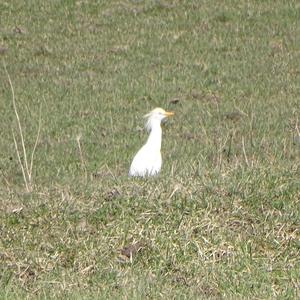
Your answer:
<point x="147" y="161"/>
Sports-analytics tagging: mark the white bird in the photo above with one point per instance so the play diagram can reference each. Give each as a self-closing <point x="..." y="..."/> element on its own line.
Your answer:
<point x="147" y="161"/>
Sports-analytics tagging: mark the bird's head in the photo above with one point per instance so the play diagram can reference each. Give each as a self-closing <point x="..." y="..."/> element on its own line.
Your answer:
<point x="156" y="115"/>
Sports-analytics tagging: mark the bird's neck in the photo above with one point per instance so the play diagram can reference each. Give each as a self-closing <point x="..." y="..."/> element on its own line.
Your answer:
<point x="154" y="139"/>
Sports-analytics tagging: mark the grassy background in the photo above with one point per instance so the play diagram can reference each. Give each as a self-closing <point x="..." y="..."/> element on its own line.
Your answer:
<point x="222" y="219"/>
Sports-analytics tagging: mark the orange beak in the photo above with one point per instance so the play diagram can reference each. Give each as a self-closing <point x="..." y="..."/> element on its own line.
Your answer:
<point x="168" y="113"/>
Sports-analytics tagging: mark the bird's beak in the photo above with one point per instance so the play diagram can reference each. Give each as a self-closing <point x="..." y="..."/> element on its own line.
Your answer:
<point x="168" y="113"/>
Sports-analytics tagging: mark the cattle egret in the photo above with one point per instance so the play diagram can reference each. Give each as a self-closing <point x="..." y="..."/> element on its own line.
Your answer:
<point x="147" y="161"/>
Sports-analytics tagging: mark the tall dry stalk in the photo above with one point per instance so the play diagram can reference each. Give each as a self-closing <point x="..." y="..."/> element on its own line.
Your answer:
<point x="26" y="167"/>
<point x="83" y="165"/>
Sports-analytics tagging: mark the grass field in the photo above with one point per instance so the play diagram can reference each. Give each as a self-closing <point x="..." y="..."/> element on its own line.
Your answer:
<point x="222" y="219"/>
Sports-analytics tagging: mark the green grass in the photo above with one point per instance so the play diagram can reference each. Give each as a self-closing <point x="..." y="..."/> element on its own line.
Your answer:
<point x="222" y="219"/>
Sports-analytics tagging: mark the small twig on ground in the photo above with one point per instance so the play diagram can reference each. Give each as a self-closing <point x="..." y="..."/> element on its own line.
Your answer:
<point x="244" y="151"/>
<point x="83" y="166"/>
<point x="297" y="128"/>
<point x="36" y="142"/>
